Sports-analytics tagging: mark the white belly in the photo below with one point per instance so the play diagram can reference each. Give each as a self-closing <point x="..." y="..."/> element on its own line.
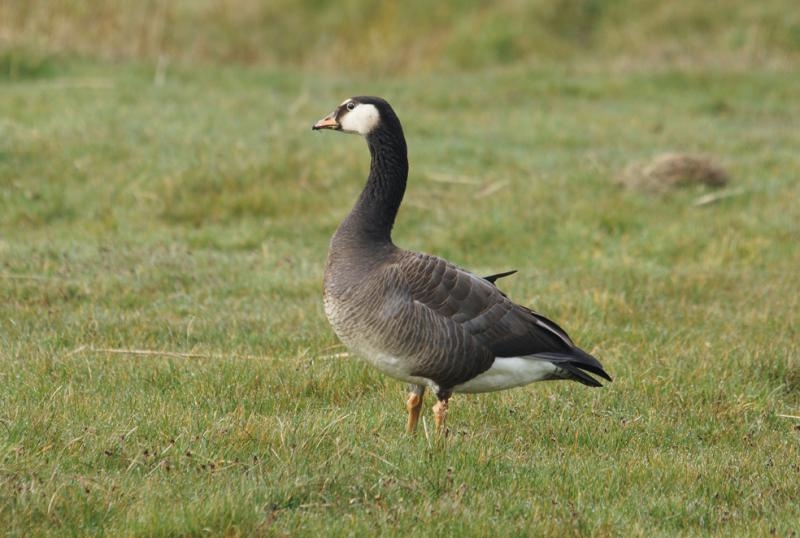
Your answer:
<point x="393" y="367"/>
<point x="352" y="334"/>
<point x="508" y="372"/>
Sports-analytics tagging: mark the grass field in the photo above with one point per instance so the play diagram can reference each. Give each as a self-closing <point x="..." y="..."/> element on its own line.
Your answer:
<point x="165" y="364"/>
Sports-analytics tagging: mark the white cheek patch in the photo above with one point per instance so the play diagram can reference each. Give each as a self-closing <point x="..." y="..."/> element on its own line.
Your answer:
<point x="361" y="120"/>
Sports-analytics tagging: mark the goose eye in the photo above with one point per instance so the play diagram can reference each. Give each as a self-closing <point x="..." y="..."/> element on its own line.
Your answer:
<point x="351" y="105"/>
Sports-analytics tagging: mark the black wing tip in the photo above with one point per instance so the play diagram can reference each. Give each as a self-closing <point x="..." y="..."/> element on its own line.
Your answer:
<point x="576" y="373"/>
<point x="495" y="277"/>
<point x="596" y="371"/>
<point x="588" y="362"/>
<point x="579" y="366"/>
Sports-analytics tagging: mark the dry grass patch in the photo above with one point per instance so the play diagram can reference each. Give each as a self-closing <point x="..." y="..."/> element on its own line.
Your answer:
<point x="670" y="171"/>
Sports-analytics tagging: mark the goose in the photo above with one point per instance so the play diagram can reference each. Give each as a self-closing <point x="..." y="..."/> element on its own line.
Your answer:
<point x="419" y="318"/>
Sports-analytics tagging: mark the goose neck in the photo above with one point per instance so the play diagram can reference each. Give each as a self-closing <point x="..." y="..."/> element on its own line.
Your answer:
<point x="373" y="215"/>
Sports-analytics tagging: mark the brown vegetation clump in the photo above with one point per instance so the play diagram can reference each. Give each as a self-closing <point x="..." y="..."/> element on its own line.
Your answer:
<point x="669" y="171"/>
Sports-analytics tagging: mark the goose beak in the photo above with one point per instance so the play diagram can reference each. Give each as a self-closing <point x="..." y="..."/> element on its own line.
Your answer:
<point x="328" y="122"/>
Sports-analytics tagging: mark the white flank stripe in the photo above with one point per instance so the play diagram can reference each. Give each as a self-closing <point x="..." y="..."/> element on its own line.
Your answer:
<point x="508" y="372"/>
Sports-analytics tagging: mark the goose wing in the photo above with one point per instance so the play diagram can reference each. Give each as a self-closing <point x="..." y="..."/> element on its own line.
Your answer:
<point x="477" y="307"/>
<point x="480" y="308"/>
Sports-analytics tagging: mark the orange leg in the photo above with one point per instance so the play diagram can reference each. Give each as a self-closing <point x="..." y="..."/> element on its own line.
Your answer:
<point x="440" y="411"/>
<point x="414" y="404"/>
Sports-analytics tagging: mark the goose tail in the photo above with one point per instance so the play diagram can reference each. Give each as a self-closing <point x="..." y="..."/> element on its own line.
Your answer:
<point x="577" y="365"/>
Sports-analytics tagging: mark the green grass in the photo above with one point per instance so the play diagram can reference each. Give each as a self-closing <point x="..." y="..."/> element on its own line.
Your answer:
<point x="192" y="217"/>
<point x="414" y="36"/>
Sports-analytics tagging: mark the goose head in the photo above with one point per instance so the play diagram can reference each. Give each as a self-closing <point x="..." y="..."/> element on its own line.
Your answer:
<point x="359" y="115"/>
